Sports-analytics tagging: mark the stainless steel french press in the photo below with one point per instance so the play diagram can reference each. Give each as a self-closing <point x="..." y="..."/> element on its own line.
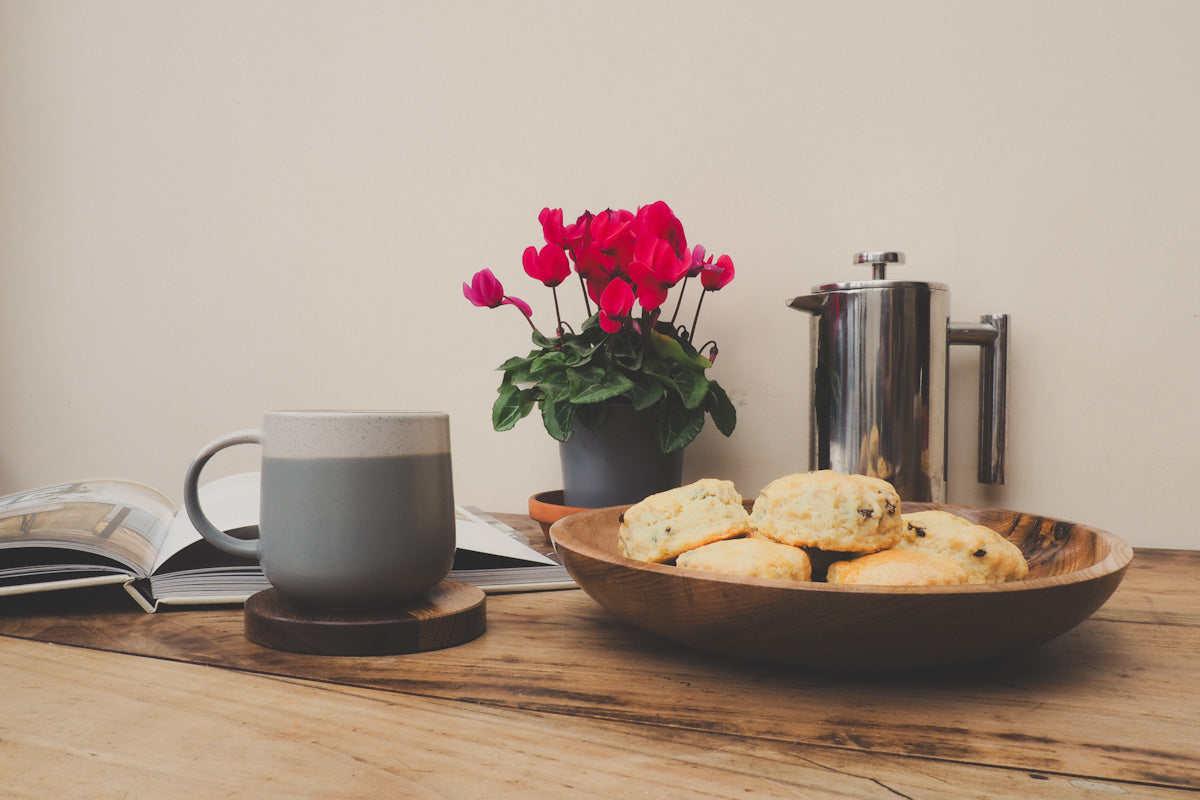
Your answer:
<point x="879" y="380"/>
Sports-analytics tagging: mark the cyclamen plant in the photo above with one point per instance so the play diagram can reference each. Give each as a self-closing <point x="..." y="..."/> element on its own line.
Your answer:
<point x="622" y="259"/>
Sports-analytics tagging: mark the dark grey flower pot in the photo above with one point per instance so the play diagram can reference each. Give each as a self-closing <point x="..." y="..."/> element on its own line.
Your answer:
<point x="618" y="463"/>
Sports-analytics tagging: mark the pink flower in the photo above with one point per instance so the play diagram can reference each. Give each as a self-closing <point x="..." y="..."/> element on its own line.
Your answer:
<point x="616" y="301"/>
<point x="485" y="291"/>
<point x="577" y="235"/>
<point x="716" y="276"/>
<point x="622" y="258"/>
<point x="608" y="227"/>
<point x="596" y="285"/>
<point x="593" y="264"/>
<point x="659" y="221"/>
<point x="695" y="259"/>
<point x="655" y="269"/>
<point x="552" y="226"/>
<point x="549" y="265"/>
<point x="521" y="305"/>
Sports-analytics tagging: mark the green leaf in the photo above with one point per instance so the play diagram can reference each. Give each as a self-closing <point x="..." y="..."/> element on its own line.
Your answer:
<point x="646" y="392"/>
<point x="585" y="389"/>
<point x="592" y="415"/>
<point x="517" y="371"/>
<point x="660" y="370"/>
<point x="577" y="352"/>
<point x="559" y="418"/>
<point x="547" y="363"/>
<point x="513" y="404"/>
<point x="691" y="385"/>
<point x="672" y="349"/>
<point x="555" y="386"/>
<point x="724" y="415"/>
<point x="626" y="351"/>
<point x="677" y="426"/>
<point x="580" y="377"/>
<point x="516" y="362"/>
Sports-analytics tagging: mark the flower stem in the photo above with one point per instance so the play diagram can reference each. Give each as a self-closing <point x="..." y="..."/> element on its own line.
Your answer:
<point x="528" y="319"/>
<point x="586" y="303"/>
<point x="649" y="320"/>
<point x="679" y="300"/>
<point x="557" y="314"/>
<point x="696" y="319"/>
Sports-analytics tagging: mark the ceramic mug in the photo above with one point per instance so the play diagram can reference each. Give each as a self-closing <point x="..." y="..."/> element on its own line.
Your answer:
<point x="357" y="506"/>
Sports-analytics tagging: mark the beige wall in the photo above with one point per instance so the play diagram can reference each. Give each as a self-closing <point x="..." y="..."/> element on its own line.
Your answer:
<point x="208" y="209"/>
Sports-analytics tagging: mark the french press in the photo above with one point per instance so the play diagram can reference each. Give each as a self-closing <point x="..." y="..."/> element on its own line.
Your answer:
<point x="878" y="393"/>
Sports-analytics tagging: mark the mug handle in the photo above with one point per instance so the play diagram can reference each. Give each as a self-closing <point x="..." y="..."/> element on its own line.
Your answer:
<point x="191" y="495"/>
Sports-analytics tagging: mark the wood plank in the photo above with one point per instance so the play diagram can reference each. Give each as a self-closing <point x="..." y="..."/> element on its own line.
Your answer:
<point x="88" y="723"/>
<point x="1162" y="588"/>
<point x="1115" y="699"/>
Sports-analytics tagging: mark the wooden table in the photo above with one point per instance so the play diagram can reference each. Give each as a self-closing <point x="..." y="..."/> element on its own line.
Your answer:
<point x="558" y="698"/>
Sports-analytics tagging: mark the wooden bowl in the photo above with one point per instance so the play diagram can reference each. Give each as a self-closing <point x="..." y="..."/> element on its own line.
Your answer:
<point x="1073" y="569"/>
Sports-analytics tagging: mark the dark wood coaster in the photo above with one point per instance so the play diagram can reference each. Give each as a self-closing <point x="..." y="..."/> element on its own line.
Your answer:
<point x="449" y="614"/>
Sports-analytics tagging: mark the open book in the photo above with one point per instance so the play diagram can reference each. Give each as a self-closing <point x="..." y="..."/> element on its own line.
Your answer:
<point x="98" y="532"/>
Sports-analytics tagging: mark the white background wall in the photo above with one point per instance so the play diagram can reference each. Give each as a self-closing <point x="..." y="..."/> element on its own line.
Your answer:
<point x="208" y="209"/>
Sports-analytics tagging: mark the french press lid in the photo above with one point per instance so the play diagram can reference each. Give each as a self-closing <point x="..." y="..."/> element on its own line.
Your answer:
<point x="879" y="262"/>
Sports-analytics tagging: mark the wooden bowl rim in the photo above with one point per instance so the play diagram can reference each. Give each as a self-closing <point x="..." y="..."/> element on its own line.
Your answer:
<point x="1118" y="557"/>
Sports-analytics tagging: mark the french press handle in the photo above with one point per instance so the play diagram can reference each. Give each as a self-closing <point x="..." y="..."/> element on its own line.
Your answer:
<point x="991" y="334"/>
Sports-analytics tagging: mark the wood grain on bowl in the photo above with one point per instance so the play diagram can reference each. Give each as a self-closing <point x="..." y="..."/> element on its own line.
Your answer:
<point x="1073" y="570"/>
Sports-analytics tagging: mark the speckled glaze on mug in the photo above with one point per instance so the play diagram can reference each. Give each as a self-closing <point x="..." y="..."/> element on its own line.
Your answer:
<point x="357" y="506"/>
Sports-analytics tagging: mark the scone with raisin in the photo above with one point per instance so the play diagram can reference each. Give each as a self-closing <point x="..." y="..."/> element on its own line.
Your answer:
<point x="750" y="557"/>
<point x="898" y="568"/>
<point x="828" y="510"/>
<point x="986" y="556"/>
<point x="672" y="522"/>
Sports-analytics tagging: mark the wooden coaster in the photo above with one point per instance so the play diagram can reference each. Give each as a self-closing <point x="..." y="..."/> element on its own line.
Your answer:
<point x="449" y="614"/>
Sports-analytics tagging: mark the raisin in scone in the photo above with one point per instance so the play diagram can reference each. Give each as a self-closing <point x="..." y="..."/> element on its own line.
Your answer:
<point x="898" y="568"/>
<point x="829" y="511"/>
<point x="753" y="558"/>
<point x="672" y="522"/>
<point x="986" y="556"/>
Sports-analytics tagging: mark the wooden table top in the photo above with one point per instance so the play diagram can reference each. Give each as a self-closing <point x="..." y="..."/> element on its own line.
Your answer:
<point x="558" y="698"/>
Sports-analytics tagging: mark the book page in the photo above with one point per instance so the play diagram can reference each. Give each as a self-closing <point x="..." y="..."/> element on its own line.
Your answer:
<point x="479" y="536"/>
<point x="230" y="503"/>
<point x="495" y="557"/>
<point x="123" y="521"/>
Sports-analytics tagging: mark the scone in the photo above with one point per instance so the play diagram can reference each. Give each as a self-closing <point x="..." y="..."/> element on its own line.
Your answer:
<point x="986" y="556"/>
<point x="753" y="558"/>
<point x="898" y="568"/>
<point x="829" y="511"/>
<point x="672" y="522"/>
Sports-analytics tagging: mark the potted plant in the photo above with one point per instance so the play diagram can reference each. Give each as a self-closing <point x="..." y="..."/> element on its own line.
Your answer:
<point x="628" y="390"/>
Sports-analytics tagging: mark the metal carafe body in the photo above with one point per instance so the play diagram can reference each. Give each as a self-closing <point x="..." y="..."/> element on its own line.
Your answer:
<point x="878" y="393"/>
